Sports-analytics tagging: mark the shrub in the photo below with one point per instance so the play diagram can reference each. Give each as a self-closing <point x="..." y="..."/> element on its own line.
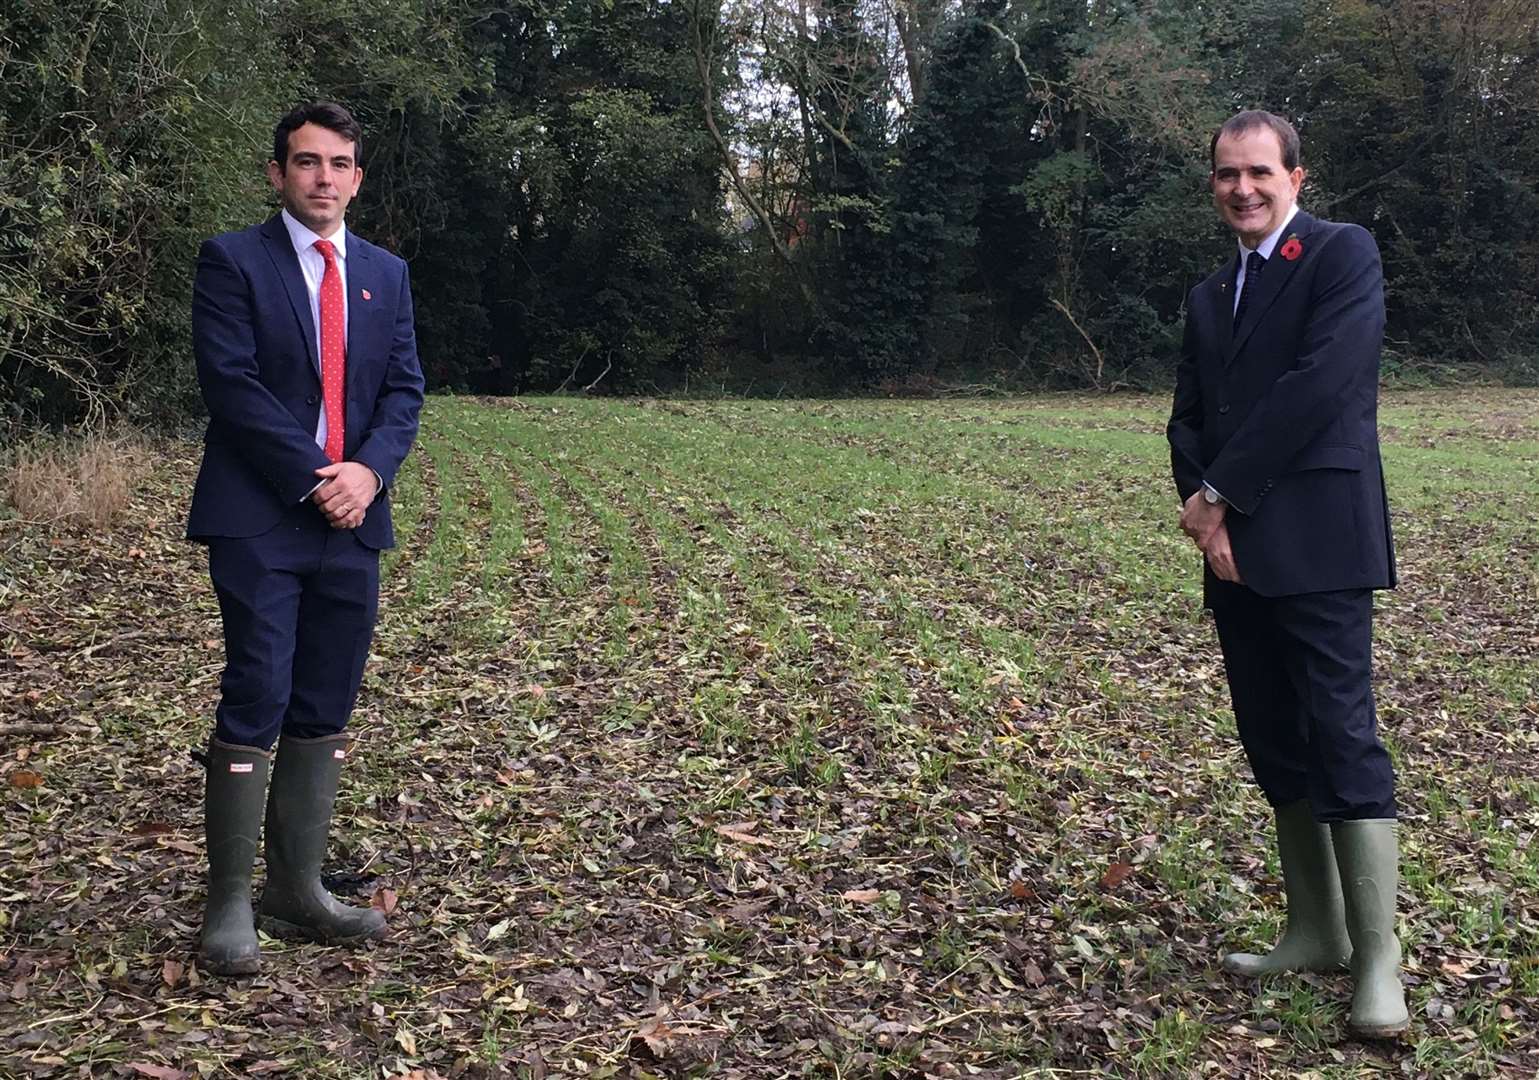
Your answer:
<point x="79" y="481"/>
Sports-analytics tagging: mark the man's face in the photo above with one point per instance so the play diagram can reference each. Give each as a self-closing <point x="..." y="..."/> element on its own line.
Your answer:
<point x="1251" y="189"/>
<point x="320" y="177"/>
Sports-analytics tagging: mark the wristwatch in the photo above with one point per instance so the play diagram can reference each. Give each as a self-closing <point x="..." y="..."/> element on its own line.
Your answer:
<point x="1211" y="497"/>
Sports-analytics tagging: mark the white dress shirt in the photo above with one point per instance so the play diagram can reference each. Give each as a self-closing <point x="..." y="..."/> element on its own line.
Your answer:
<point x="1266" y="247"/>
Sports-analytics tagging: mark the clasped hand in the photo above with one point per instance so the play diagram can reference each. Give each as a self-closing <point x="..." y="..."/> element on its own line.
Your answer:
<point x="1204" y="523"/>
<point x="345" y="493"/>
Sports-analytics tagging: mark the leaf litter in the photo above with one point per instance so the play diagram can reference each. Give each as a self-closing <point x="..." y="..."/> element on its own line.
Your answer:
<point x="759" y="739"/>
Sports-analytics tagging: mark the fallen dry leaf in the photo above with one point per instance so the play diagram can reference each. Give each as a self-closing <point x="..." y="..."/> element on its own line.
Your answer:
<point x="653" y="1042"/>
<point x="1116" y="874"/>
<point x="158" y="1072"/>
<point x="406" y="1041"/>
<point x="743" y="833"/>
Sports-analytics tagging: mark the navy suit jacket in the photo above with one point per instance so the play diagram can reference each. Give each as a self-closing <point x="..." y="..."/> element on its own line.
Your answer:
<point x="1280" y="414"/>
<point x="255" y="345"/>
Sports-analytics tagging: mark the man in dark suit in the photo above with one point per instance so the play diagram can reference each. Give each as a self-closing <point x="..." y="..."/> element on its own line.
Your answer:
<point x="307" y="359"/>
<point x="1275" y="450"/>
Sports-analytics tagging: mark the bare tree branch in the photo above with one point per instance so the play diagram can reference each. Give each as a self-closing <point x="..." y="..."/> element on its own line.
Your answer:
<point x="570" y="375"/>
<point x="1100" y="363"/>
<point x="609" y="362"/>
<point x="729" y="159"/>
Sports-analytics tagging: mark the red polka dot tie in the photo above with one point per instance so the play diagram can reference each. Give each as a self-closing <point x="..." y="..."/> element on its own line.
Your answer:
<point x="333" y="351"/>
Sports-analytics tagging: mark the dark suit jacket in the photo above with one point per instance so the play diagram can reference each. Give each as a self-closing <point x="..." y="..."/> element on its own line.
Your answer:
<point x="1280" y="414"/>
<point x="255" y="345"/>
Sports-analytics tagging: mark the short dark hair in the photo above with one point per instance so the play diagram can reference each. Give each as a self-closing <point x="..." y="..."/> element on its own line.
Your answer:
<point x="1250" y="120"/>
<point x="327" y="114"/>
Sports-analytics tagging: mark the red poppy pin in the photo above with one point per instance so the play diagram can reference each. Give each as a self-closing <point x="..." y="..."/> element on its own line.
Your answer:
<point x="1291" y="249"/>
<point x="367" y="295"/>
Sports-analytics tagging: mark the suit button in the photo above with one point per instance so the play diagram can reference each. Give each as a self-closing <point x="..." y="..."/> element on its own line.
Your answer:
<point x="312" y="399"/>
<point x="1223" y="409"/>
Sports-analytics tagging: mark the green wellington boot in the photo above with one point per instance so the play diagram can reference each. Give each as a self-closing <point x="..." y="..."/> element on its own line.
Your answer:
<point x="1368" y="854"/>
<point x="232" y="817"/>
<point x="1315" y="938"/>
<point x="294" y="902"/>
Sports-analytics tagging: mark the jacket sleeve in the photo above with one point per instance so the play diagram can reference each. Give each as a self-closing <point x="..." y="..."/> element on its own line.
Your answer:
<point x="393" y="425"/>
<point x="1185" y="428"/>
<point x="1339" y="348"/>
<point x="245" y="412"/>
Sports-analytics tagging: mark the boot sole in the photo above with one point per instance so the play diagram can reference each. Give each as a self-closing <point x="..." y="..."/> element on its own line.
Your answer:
<point x="1381" y="1031"/>
<point x="1296" y="969"/>
<point x="290" y="931"/>
<point x="232" y="967"/>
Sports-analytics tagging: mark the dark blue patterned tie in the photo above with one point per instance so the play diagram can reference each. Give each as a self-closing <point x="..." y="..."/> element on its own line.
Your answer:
<point x="1253" y="264"/>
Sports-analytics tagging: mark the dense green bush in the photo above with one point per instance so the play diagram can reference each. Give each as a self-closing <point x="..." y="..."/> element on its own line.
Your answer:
<point x="128" y="132"/>
<point x="1012" y="190"/>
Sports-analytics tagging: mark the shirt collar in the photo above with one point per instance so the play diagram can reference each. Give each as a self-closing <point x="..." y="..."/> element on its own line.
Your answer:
<point x="1267" y="246"/>
<point x="303" y="239"/>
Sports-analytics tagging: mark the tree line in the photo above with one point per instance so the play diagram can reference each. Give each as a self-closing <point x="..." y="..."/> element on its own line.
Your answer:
<point x="776" y="196"/>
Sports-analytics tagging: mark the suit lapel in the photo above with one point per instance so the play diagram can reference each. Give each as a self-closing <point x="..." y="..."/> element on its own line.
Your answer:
<point x="362" y="306"/>
<point x="281" y="250"/>
<point x="1223" y="310"/>
<point x="1274" y="278"/>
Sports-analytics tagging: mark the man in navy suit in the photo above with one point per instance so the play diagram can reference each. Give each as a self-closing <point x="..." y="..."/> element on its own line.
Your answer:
<point x="1274" y="445"/>
<point x="307" y="359"/>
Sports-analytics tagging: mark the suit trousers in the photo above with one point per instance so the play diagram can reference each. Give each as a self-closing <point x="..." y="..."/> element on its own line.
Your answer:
<point x="299" y="604"/>
<point x="1300" y="676"/>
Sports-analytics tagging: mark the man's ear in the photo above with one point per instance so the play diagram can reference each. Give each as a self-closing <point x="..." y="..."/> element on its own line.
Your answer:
<point x="1297" y="178"/>
<point x="275" y="175"/>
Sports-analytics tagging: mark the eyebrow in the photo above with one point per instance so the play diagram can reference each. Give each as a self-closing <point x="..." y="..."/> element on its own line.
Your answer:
<point x="311" y="155"/>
